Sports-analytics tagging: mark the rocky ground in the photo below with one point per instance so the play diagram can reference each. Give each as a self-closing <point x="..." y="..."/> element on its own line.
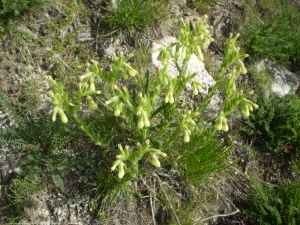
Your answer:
<point x="21" y="62"/>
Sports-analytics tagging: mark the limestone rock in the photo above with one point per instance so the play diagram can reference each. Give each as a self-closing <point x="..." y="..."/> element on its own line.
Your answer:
<point x="285" y="82"/>
<point x="194" y="65"/>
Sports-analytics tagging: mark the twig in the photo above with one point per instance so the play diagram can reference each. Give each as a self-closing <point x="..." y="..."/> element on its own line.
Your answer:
<point x="220" y="215"/>
<point x="152" y="208"/>
<point x="171" y="206"/>
<point x="152" y="203"/>
<point x="254" y="13"/>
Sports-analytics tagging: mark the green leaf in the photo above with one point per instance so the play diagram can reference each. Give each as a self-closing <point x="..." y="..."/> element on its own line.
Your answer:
<point x="146" y="82"/>
<point x="57" y="180"/>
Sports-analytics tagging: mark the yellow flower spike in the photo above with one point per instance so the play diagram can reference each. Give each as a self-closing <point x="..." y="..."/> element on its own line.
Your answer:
<point x="62" y="115"/>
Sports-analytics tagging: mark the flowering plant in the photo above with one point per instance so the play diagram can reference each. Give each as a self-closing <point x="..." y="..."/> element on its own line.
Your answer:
<point x="152" y="118"/>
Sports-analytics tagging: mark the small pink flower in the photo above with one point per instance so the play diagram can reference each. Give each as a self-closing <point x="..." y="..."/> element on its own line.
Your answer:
<point x="286" y="148"/>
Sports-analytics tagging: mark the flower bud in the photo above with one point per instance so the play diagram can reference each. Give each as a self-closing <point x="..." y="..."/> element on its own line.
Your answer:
<point x="155" y="161"/>
<point x="141" y="123"/>
<point x="183" y="53"/>
<point x="91" y="103"/>
<point x="132" y="72"/>
<point x="116" y="163"/>
<point x="218" y="124"/>
<point x="163" y="154"/>
<point x="117" y="111"/>
<point x="245" y="110"/>
<point x="199" y="53"/>
<point x="225" y="125"/>
<point x="146" y="121"/>
<point x="250" y="107"/>
<point x="112" y="100"/>
<point x="171" y="98"/>
<point x="62" y="115"/>
<point x="55" y="110"/>
<point x="186" y="136"/>
<point x="85" y="76"/>
<point x="195" y="90"/>
<point x="121" y="170"/>
<point x="166" y="99"/>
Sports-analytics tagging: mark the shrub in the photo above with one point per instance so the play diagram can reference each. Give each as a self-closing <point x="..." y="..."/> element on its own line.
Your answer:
<point x="128" y="15"/>
<point x="275" y="205"/>
<point x="146" y="125"/>
<point x="272" y="31"/>
<point x="11" y="9"/>
<point x="276" y="123"/>
<point x="38" y="141"/>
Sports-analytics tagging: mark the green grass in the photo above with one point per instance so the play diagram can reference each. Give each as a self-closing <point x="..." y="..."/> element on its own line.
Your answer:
<point x="205" y="6"/>
<point x="272" y="30"/>
<point x="10" y="10"/>
<point x="130" y="15"/>
<point x="275" y="205"/>
<point x="18" y="196"/>
<point x="38" y="141"/>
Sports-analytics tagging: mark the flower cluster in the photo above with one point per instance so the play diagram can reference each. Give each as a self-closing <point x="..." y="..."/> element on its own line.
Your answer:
<point x="234" y="98"/>
<point x="134" y="157"/>
<point x="187" y="124"/>
<point x="152" y="112"/>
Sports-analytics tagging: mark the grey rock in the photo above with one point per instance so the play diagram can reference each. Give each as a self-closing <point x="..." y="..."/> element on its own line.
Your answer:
<point x="194" y="65"/>
<point x="284" y="82"/>
<point x="44" y="212"/>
